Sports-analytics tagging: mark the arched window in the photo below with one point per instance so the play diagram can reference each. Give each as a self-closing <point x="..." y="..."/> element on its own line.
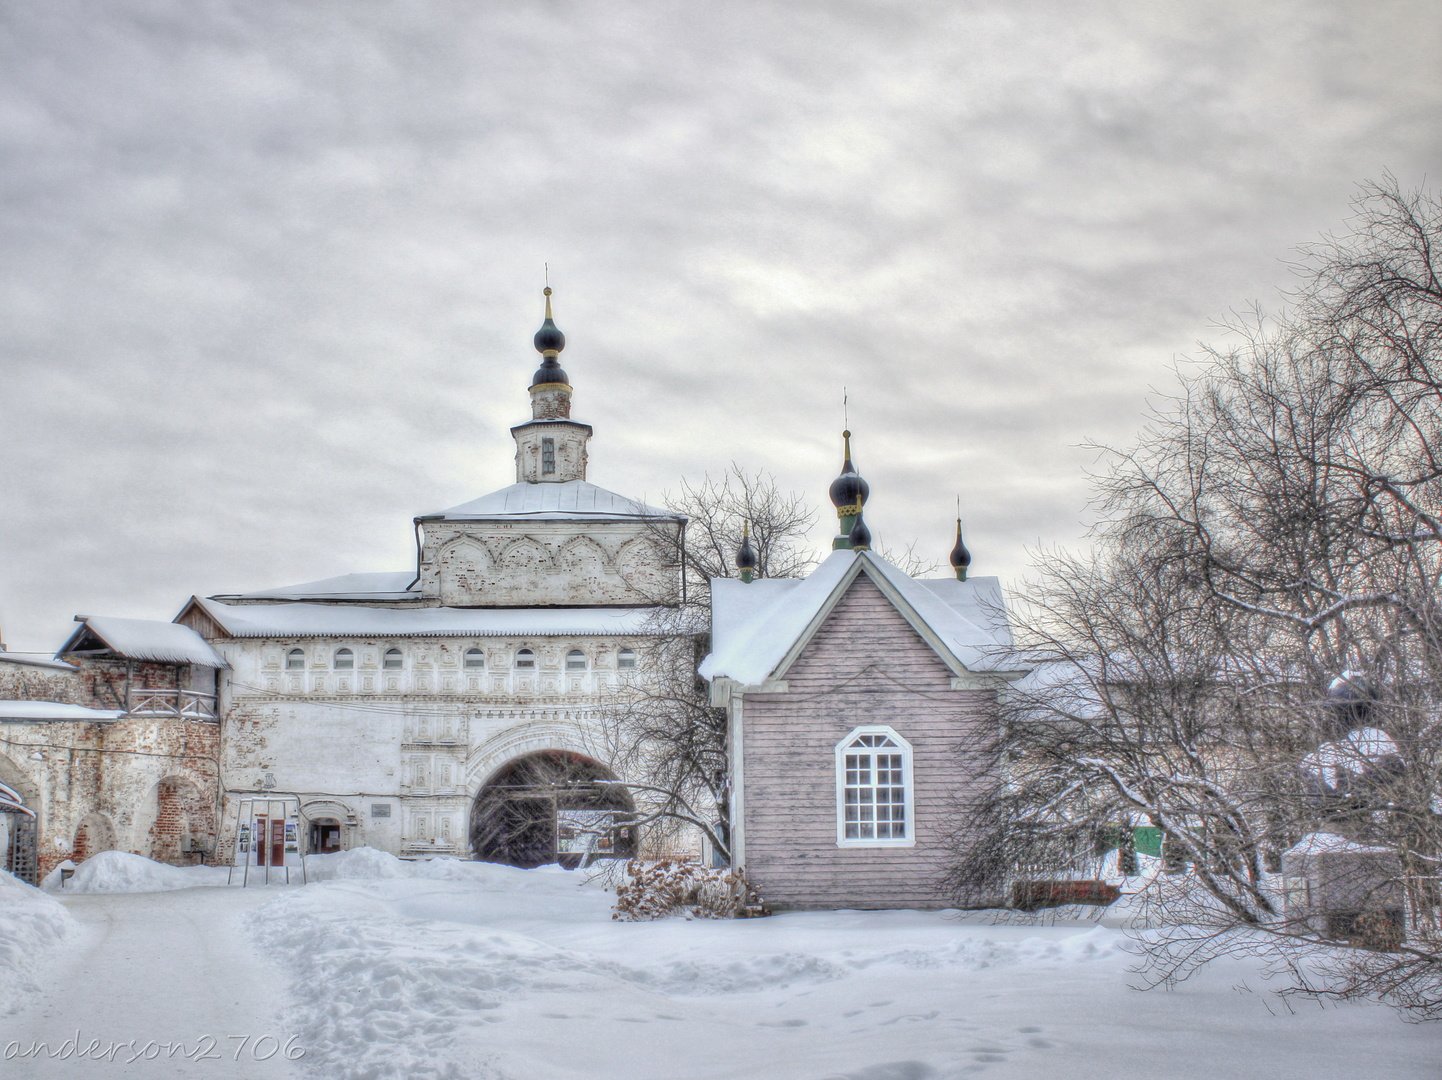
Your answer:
<point x="874" y="789"/>
<point x="626" y="659"/>
<point x="393" y="660"/>
<point x="576" y="660"/>
<point x="475" y="660"/>
<point x="344" y="660"/>
<point x="295" y="660"/>
<point x="525" y="660"/>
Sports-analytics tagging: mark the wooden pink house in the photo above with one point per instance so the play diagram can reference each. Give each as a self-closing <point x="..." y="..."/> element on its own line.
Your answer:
<point x="858" y="700"/>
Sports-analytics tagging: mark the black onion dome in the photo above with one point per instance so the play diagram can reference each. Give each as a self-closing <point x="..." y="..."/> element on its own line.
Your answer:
<point x="860" y="535"/>
<point x="549" y="341"/>
<point x="848" y="491"/>
<point x="1350" y="696"/>
<point x="959" y="558"/>
<point x="746" y="557"/>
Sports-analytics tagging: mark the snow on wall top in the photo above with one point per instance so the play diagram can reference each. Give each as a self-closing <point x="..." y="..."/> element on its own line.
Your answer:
<point x="369" y="586"/>
<point x="288" y="620"/>
<point x="754" y="626"/>
<point x="147" y="639"/>
<point x="40" y="660"/>
<point x="54" y="710"/>
<point x="560" y="501"/>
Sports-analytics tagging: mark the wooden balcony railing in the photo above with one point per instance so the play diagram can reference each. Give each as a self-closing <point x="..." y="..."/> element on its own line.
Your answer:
<point x="189" y="704"/>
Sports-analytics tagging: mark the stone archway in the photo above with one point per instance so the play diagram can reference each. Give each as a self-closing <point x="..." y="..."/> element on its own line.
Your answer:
<point x="551" y="806"/>
<point x="19" y="829"/>
<point x="174" y="823"/>
<point x="95" y="834"/>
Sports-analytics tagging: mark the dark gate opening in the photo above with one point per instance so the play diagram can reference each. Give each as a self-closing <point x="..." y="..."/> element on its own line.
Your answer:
<point x="18" y="853"/>
<point x="552" y="806"/>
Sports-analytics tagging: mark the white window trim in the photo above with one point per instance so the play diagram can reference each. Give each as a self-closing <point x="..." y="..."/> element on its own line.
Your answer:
<point x="908" y="783"/>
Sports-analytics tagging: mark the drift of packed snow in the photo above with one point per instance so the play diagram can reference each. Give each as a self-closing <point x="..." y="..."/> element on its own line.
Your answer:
<point x="32" y="926"/>
<point x="121" y="872"/>
<point x="383" y="969"/>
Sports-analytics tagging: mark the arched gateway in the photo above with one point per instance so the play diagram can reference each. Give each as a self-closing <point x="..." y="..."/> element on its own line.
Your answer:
<point x="552" y="806"/>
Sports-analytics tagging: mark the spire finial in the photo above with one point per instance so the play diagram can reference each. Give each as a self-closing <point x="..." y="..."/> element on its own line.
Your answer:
<point x="746" y="559"/>
<point x="959" y="558"/>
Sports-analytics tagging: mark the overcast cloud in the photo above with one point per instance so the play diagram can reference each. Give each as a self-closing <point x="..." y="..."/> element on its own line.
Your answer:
<point x="269" y="272"/>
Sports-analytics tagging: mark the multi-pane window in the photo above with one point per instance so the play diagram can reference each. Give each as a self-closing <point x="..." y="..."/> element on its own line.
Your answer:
<point x="392" y="661"/>
<point x="525" y="660"/>
<point x="874" y="788"/>
<point x="575" y="660"/>
<point x="344" y="660"/>
<point x="548" y="456"/>
<point x="475" y="660"/>
<point x="626" y="659"/>
<point x="295" y="660"/>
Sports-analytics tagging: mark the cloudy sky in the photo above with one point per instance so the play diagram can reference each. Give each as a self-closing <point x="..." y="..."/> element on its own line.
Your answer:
<point x="269" y="272"/>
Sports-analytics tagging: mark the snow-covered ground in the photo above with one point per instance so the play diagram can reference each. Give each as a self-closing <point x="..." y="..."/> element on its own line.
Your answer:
<point x="384" y="969"/>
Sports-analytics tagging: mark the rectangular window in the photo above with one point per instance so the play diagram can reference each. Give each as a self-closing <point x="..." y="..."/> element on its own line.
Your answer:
<point x="548" y="456"/>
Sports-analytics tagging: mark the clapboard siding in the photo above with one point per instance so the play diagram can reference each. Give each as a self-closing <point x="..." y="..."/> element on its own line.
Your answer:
<point x="865" y="665"/>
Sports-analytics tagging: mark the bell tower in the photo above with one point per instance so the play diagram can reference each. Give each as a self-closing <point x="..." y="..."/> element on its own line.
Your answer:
<point x="550" y="447"/>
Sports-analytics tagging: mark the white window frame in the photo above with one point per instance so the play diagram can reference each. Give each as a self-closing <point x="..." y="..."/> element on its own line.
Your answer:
<point x="908" y="784"/>
<point x="393" y="654"/>
<point x="577" y="663"/>
<point x="295" y="660"/>
<point x="626" y="659"/>
<point x="474" y="659"/>
<point x="525" y="660"/>
<point x="343" y="659"/>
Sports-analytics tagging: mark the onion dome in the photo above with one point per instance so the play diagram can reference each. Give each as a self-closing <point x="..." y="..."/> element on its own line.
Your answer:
<point x="746" y="557"/>
<point x="848" y="491"/>
<point x="959" y="558"/>
<point x="1350" y="698"/>
<point x="860" y="537"/>
<point x="549" y="342"/>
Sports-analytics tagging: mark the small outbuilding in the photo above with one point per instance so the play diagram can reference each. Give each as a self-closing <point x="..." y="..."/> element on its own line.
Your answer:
<point x="859" y="703"/>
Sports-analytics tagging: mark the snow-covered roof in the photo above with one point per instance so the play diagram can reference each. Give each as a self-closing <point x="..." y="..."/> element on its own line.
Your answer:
<point x="754" y="626"/>
<point x="54" y="710"/>
<point x="146" y="639"/>
<point x="1320" y="843"/>
<point x="547" y="501"/>
<point x="361" y="587"/>
<point x="289" y="620"/>
<point x="39" y="660"/>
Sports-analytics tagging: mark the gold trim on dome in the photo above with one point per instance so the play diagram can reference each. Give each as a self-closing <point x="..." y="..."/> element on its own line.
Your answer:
<point x="551" y="386"/>
<point x="850" y="510"/>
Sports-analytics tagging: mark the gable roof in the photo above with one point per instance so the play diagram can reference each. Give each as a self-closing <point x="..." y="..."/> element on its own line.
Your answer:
<point x="564" y="501"/>
<point x="143" y="639"/>
<point x="757" y="632"/>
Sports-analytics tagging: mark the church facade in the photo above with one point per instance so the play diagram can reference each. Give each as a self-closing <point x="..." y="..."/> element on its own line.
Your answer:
<point x="456" y="708"/>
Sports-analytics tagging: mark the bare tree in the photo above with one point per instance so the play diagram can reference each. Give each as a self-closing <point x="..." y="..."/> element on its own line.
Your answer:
<point x="1278" y="525"/>
<point x="660" y="725"/>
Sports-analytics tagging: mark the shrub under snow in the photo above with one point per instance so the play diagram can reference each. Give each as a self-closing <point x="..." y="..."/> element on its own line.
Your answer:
<point x="672" y="887"/>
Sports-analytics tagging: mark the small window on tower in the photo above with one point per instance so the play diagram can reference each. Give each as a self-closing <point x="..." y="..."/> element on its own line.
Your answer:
<point x="548" y="457"/>
<point x="525" y="660"/>
<point x="344" y="660"/>
<point x="576" y="660"/>
<point x="626" y="659"/>
<point x="475" y="660"/>
<point x="392" y="659"/>
<point x="295" y="660"/>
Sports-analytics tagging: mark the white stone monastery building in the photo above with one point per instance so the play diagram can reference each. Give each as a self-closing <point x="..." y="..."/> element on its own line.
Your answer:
<point x="403" y="708"/>
<point x="453" y="708"/>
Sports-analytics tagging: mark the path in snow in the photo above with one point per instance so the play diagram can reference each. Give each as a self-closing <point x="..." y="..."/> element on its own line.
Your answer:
<point x="169" y="978"/>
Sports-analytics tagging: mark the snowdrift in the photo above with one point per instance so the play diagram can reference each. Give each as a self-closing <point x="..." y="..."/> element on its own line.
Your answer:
<point x="32" y="925"/>
<point x="119" y="871"/>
